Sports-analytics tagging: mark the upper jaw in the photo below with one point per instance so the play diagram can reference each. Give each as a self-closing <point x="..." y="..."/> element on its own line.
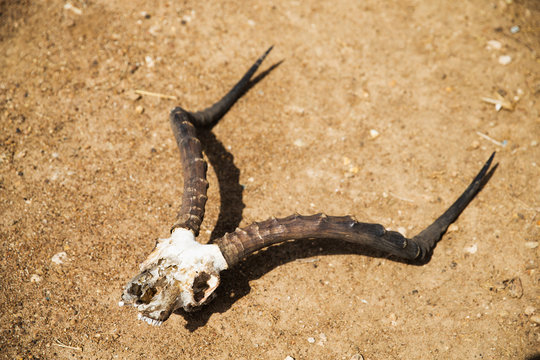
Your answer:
<point x="179" y="273"/>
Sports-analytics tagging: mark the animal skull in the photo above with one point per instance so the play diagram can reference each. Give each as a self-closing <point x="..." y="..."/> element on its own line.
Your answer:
<point x="179" y="273"/>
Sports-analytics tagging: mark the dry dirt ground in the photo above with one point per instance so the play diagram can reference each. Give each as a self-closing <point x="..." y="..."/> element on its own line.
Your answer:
<point x="90" y="169"/>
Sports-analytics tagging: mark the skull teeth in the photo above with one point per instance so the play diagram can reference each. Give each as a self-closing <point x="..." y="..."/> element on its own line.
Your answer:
<point x="150" y="321"/>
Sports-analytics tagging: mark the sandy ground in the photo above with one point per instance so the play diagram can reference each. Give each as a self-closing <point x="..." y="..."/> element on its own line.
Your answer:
<point x="91" y="170"/>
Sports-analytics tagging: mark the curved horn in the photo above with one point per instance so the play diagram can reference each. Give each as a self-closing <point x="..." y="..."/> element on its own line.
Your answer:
<point x="242" y="242"/>
<point x="184" y="125"/>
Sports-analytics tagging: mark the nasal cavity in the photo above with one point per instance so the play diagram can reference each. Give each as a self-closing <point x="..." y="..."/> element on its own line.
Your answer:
<point x="200" y="285"/>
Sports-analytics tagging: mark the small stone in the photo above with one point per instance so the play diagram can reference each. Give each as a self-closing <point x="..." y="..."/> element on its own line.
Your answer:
<point x="475" y="144"/>
<point x="294" y="109"/>
<point x="472" y="249"/>
<point x="289" y="357"/>
<point x="534" y="143"/>
<point x="373" y="133"/>
<point x="322" y="339"/>
<point x="59" y="258"/>
<point x="20" y="155"/>
<point x="139" y="109"/>
<point x="531" y="244"/>
<point x="515" y="29"/>
<point x="72" y="8"/>
<point x="298" y="142"/>
<point x="251" y="23"/>
<point x="154" y="30"/>
<point x="514" y="287"/>
<point x="149" y="61"/>
<point x="535" y="319"/>
<point x="529" y="310"/>
<point x="505" y="59"/>
<point x="452" y="228"/>
<point x="357" y="357"/>
<point x="311" y="340"/>
<point x="35" y="278"/>
<point x="494" y="45"/>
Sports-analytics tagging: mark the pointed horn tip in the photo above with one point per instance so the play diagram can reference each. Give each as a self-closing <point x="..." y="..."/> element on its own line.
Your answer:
<point x="491" y="157"/>
<point x="266" y="53"/>
<point x="487" y="165"/>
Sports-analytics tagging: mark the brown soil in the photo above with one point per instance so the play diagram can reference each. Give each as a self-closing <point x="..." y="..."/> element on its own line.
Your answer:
<point x="91" y="169"/>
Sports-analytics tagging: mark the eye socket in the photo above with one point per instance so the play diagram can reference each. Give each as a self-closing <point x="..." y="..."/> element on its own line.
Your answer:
<point x="135" y="290"/>
<point x="147" y="296"/>
<point x="200" y="285"/>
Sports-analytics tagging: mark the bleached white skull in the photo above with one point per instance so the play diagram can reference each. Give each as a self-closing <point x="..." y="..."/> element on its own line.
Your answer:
<point x="179" y="273"/>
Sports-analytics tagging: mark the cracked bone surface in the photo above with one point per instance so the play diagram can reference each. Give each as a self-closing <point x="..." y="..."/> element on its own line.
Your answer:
<point x="179" y="273"/>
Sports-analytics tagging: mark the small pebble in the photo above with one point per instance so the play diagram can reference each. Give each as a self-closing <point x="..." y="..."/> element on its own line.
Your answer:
<point x="133" y="96"/>
<point x="311" y="340"/>
<point x="494" y="45"/>
<point x="373" y="133"/>
<point x="186" y="19"/>
<point x="322" y="339"/>
<point x="251" y="23"/>
<point x="531" y="244"/>
<point x="72" y="8"/>
<point x="289" y="357"/>
<point x="20" y="155"/>
<point x="59" y="258"/>
<point x="472" y="249"/>
<point x="505" y="59"/>
<point x="139" y="109"/>
<point x="35" y="278"/>
<point x="294" y="109"/>
<point x="357" y="357"/>
<point x="475" y="144"/>
<point x="514" y="29"/>
<point x="529" y="310"/>
<point x="154" y="30"/>
<point x="514" y="287"/>
<point x="149" y="61"/>
<point x="298" y="142"/>
<point x="535" y="319"/>
<point x="452" y="228"/>
<point x="534" y="143"/>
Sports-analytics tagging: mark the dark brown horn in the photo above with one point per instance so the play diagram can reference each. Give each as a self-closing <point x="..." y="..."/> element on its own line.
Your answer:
<point x="184" y="125"/>
<point x="210" y="115"/>
<point x="242" y="242"/>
